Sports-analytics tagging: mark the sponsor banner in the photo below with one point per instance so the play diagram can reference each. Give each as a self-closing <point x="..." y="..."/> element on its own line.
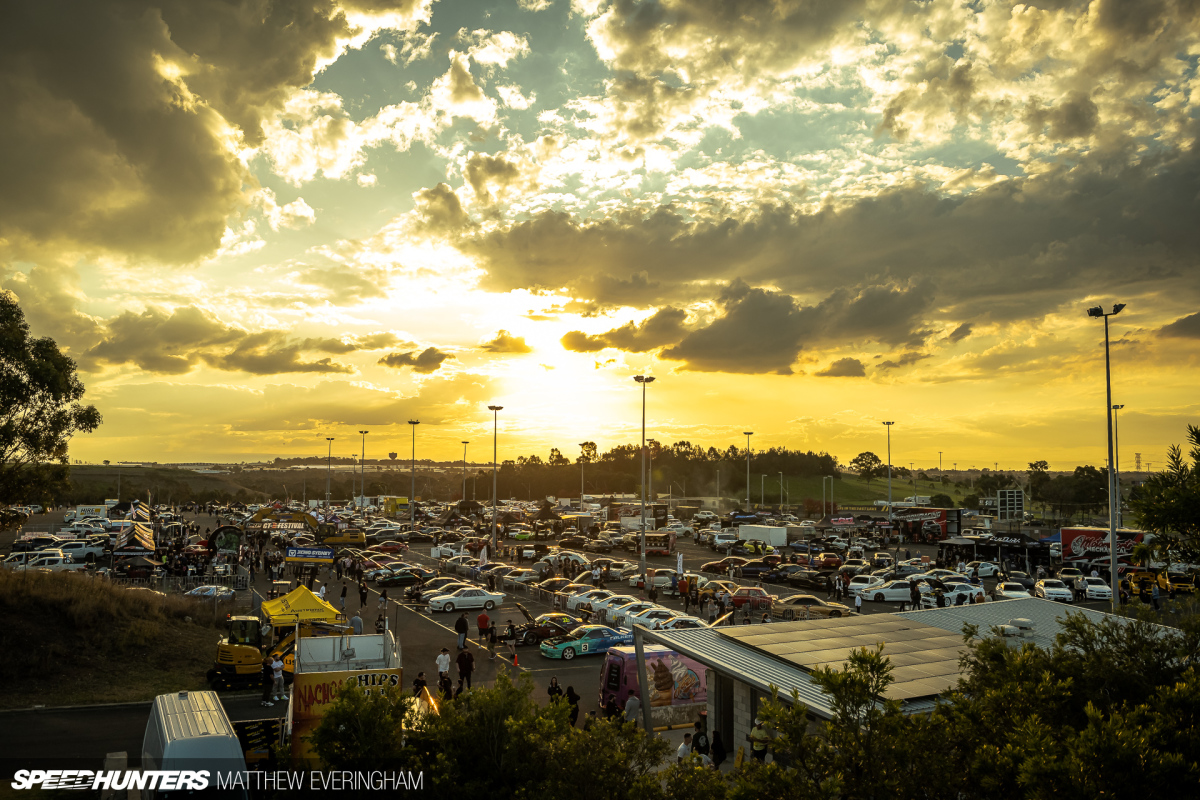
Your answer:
<point x="1085" y="544"/>
<point x="919" y="516"/>
<point x="318" y="555"/>
<point x="842" y="521"/>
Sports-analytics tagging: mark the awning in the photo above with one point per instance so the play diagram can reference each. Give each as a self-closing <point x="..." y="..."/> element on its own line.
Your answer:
<point x="299" y="605"/>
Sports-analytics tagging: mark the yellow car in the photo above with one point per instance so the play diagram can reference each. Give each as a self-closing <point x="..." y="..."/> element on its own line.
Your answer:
<point x="1178" y="582"/>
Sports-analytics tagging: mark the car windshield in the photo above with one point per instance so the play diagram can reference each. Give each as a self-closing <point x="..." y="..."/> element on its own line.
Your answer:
<point x="1013" y="587"/>
<point x="1053" y="584"/>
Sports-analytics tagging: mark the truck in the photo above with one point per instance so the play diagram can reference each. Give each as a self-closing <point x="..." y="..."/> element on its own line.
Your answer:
<point x="190" y="731"/>
<point x="770" y="534"/>
<point x="80" y="549"/>
<point x="678" y="691"/>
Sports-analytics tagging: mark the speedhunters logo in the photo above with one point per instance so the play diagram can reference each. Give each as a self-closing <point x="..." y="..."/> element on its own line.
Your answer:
<point x="160" y="780"/>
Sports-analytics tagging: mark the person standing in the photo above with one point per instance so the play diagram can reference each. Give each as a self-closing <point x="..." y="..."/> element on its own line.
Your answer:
<point x="759" y="739"/>
<point x="419" y="684"/>
<point x="1154" y="596"/>
<point x="466" y="665"/>
<point x="633" y="707"/>
<point x="443" y="662"/>
<point x="718" y="749"/>
<point x="684" y="750"/>
<point x="462" y="628"/>
<point x="344" y="589"/>
<point x="357" y="624"/>
<point x="510" y="638"/>
<point x="573" y="699"/>
<point x="362" y="595"/>
<point x="858" y="602"/>
<point x="482" y="622"/>
<point x="554" y="690"/>
<point x="278" y="692"/>
<point x="491" y="641"/>
<point x="700" y="739"/>
<point x="268" y="680"/>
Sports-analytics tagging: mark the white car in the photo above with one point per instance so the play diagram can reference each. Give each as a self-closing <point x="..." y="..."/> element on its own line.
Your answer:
<point x="1053" y="589"/>
<point x="467" y="598"/>
<point x="594" y="596"/>
<point x="986" y="568"/>
<point x="679" y="621"/>
<point x="679" y="529"/>
<point x="614" y="601"/>
<point x="619" y="615"/>
<point x="721" y="541"/>
<point x="956" y="594"/>
<point x="1009" y="591"/>
<point x="897" y="591"/>
<point x="661" y="579"/>
<point x="1097" y="589"/>
<point x="523" y="576"/>
<point x="863" y="584"/>
<point x="55" y="563"/>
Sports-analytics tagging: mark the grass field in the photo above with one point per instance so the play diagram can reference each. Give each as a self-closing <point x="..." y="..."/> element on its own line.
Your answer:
<point x="70" y="639"/>
<point x="848" y="490"/>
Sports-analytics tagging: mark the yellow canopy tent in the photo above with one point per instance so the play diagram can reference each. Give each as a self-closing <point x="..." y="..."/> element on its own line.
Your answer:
<point x="300" y="605"/>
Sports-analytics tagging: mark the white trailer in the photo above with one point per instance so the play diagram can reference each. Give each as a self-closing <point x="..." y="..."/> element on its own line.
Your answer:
<point x="773" y="535"/>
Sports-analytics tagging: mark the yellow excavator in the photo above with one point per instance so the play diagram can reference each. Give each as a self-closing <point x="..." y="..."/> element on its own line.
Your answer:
<point x="241" y="651"/>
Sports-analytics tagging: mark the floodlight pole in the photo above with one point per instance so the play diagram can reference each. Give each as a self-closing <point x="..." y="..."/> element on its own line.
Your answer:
<point x="643" y="380"/>
<point x="748" y="435"/>
<point x="412" y="494"/>
<point x="495" y="432"/>
<point x="1112" y="492"/>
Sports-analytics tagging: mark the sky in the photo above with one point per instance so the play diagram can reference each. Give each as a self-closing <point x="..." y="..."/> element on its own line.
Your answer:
<point x="255" y="225"/>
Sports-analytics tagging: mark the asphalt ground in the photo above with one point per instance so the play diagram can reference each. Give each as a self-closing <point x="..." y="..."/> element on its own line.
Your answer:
<point x="89" y="733"/>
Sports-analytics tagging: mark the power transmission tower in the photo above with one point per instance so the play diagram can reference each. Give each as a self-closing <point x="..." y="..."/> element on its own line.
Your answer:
<point x="1137" y="462"/>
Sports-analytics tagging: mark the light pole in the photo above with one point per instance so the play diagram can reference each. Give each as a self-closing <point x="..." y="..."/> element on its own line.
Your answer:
<point x="889" y="431"/>
<point x="939" y="460"/>
<point x="495" y="432"/>
<point x="643" y="380"/>
<point x="748" y="435"/>
<point x="1116" y="465"/>
<point x="362" y="490"/>
<point x="464" y="497"/>
<point x="412" y="495"/>
<point x="762" y="489"/>
<point x="1098" y="311"/>
<point x="581" y="489"/>
<point x="328" y="461"/>
<point x="781" y="501"/>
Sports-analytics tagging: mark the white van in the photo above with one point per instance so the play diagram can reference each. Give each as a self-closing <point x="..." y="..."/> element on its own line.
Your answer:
<point x="191" y="731"/>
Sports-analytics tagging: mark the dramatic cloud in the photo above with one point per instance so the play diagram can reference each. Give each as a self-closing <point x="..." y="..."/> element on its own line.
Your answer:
<point x="960" y="333"/>
<point x="428" y="360"/>
<point x="844" y="368"/>
<point x="505" y="342"/>
<point x="173" y="343"/>
<point x="664" y="327"/>
<point x="1184" y="328"/>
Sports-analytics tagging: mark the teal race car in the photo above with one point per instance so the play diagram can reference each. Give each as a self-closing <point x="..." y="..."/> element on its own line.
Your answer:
<point x="586" y="640"/>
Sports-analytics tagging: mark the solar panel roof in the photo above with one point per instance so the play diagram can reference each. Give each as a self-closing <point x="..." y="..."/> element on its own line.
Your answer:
<point x="924" y="658"/>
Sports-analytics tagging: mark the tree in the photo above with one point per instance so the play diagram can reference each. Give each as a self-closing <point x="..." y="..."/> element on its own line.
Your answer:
<point x="557" y="459"/>
<point x="362" y="730"/>
<point x="1168" y="503"/>
<point x="587" y="453"/>
<point x="971" y="501"/>
<point x="40" y="410"/>
<point x="393" y="456"/>
<point x="941" y="501"/>
<point x="868" y="466"/>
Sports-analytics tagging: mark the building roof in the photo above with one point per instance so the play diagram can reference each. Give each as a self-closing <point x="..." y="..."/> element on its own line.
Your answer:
<point x="1046" y="616"/>
<point x="924" y="657"/>
<point x="923" y="646"/>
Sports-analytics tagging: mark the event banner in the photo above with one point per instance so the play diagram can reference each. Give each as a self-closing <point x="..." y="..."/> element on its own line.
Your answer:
<point x="318" y="555"/>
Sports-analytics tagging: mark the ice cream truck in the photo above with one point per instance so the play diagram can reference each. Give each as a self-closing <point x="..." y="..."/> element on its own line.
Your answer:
<point x="678" y="693"/>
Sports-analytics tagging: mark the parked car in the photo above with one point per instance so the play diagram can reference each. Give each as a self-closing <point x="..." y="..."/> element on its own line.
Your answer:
<point x="221" y="594"/>
<point x="653" y="618"/>
<point x="987" y="569"/>
<point x="587" y="640"/>
<point x="590" y="597"/>
<point x="473" y="597"/>
<point x="544" y="626"/>
<point x="863" y="584"/>
<point x="1009" y="590"/>
<point x="1097" y="589"/>
<point x="1053" y="589"/>
<point x="804" y="606"/>
<point x="599" y="545"/>
<point x="754" y="597"/>
<point x="721" y="567"/>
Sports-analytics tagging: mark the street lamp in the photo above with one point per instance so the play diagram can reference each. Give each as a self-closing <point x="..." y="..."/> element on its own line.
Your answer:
<point x="412" y="495"/>
<point x="464" y="497"/>
<point x="363" y="466"/>
<point x="889" y="432"/>
<point x="495" y="429"/>
<point x="328" y="460"/>
<point x="781" y="492"/>
<point x="762" y="489"/>
<point x="1098" y="311"/>
<point x="823" y="504"/>
<point x="748" y="435"/>
<point x="581" y="489"/>
<point x="1116" y="465"/>
<point x="643" y="380"/>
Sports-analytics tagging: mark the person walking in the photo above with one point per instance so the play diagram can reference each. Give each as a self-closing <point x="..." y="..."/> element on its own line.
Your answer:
<point x="491" y="641"/>
<point x="344" y="589"/>
<point x="383" y="600"/>
<point x="1154" y="596"/>
<point x="362" y="595"/>
<point x="633" y="707"/>
<point x="510" y="638"/>
<point x="466" y="665"/>
<point x="462" y="628"/>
